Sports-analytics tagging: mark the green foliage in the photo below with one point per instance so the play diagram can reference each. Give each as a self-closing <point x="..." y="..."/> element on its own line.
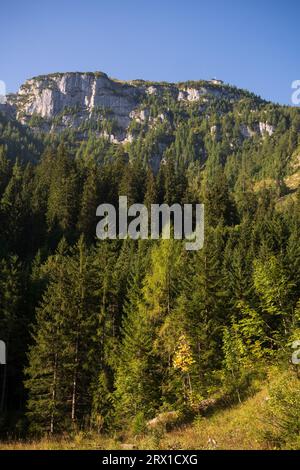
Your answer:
<point x="108" y="335"/>
<point x="283" y="413"/>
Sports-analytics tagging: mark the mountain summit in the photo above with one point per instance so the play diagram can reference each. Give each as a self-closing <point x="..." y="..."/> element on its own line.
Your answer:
<point x="59" y="101"/>
<point x="204" y="121"/>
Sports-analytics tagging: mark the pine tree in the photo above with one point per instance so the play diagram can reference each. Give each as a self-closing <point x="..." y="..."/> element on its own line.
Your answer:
<point x="89" y="202"/>
<point x="151" y="190"/>
<point x="132" y="182"/>
<point x="201" y="309"/>
<point x="5" y="170"/>
<point x="62" y="207"/>
<point x="136" y="380"/>
<point x="64" y="358"/>
<point x="12" y="325"/>
<point x="15" y="210"/>
<point x="219" y="205"/>
<point x="274" y="291"/>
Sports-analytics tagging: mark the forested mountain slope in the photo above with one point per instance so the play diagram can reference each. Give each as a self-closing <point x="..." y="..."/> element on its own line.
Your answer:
<point x="106" y="335"/>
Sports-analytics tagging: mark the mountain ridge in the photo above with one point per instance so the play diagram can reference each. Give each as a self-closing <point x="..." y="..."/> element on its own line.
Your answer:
<point x="196" y="121"/>
<point x="63" y="100"/>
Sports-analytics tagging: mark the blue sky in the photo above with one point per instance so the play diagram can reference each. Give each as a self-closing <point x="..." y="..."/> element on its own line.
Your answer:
<point x="253" y="45"/>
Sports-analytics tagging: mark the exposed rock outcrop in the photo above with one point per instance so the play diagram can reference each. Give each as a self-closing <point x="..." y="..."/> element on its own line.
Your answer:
<point x="261" y="128"/>
<point x="195" y="94"/>
<point x="266" y="128"/>
<point x="92" y="100"/>
<point x="165" y="420"/>
<point x="69" y="100"/>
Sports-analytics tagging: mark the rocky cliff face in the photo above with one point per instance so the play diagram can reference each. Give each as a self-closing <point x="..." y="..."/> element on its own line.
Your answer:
<point x="70" y="99"/>
<point x="55" y="102"/>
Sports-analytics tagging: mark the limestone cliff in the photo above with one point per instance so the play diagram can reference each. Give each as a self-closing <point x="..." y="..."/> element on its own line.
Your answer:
<point x="74" y="100"/>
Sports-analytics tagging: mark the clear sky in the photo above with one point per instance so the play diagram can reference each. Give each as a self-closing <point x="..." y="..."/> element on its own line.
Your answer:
<point x="253" y="45"/>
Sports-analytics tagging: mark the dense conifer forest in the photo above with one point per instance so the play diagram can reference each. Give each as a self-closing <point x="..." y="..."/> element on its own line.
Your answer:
<point x="104" y="336"/>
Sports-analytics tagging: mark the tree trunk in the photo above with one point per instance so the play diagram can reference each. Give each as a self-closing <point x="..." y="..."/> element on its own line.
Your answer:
<point x="74" y="392"/>
<point x="53" y="395"/>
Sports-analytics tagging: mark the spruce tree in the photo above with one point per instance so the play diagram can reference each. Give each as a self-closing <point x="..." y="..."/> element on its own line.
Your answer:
<point x="63" y="360"/>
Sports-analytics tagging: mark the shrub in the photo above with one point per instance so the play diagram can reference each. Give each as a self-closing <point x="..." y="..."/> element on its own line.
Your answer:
<point x="283" y="413"/>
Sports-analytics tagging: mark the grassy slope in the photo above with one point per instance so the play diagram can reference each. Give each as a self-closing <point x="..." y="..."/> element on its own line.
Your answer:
<point x="239" y="427"/>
